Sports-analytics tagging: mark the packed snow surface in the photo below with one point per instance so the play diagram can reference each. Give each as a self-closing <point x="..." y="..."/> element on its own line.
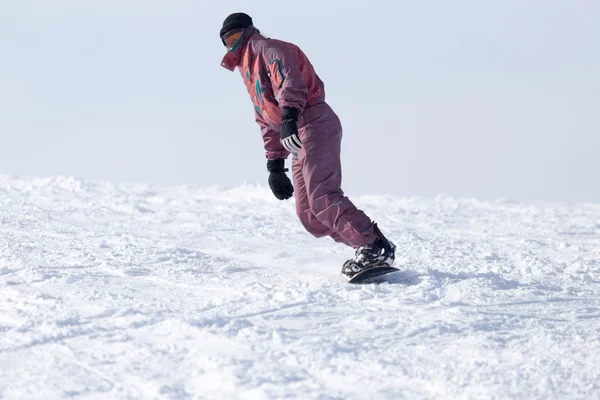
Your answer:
<point x="124" y="291"/>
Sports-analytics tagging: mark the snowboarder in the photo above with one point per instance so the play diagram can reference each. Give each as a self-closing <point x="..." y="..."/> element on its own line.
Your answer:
<point x="290" y="108"/>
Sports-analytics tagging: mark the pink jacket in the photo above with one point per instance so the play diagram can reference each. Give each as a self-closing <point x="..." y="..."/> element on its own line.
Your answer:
<point x="277" y="74"/>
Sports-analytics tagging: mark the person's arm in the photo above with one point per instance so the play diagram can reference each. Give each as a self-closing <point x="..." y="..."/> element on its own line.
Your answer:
<point x="280" y="184"/>
<point x="291" y="92"/>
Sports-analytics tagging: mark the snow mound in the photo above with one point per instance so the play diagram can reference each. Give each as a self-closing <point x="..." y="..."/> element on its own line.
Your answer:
<point x="112" y="290"/>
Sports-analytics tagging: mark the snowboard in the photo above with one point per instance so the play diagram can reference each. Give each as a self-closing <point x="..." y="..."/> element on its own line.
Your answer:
<point x="365" y="276"/>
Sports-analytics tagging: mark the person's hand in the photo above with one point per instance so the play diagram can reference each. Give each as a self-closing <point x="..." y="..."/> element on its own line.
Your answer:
<point x="289" y="130"/>
<point x="280" y="184"/>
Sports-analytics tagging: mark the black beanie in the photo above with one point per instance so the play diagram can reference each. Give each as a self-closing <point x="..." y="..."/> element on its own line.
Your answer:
<point x="235" y="21"/>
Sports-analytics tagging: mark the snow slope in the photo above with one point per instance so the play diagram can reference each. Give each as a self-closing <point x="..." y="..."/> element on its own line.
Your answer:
<point x="114" y="291"/>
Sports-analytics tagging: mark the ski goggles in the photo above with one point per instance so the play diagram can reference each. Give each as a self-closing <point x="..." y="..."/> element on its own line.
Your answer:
<point x="231" y="38"/>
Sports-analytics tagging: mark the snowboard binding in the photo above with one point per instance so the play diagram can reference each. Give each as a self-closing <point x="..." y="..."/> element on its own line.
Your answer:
<point x="371" y="260"/>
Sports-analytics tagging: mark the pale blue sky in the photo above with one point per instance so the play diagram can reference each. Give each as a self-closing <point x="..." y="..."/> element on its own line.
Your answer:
<point x="490" y="99"/>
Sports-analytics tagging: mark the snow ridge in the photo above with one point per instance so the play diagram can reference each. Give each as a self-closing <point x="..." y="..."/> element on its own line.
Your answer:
<point x="113" y="290"/>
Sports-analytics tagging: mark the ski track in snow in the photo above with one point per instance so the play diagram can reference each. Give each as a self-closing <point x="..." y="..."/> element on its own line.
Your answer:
<point x="126" y="291"/>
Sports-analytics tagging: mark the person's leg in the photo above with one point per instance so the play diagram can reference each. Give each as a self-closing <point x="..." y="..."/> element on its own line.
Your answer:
<point x="307" y="218"/>
<point x="321" y="171"/>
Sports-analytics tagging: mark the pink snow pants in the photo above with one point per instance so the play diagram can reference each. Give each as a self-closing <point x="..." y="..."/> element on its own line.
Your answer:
<point x="320" y="202"/>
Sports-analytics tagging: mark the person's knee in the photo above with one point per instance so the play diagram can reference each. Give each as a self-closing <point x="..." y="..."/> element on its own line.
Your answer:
<point x="312" y="224"/>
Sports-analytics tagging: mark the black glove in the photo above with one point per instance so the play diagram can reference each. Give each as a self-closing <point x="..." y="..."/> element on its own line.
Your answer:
<point x="289" y="130"/>
<point x="278" y="181"/>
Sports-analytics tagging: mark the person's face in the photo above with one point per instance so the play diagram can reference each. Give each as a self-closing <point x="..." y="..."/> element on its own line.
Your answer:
<point x="232" y="38"/>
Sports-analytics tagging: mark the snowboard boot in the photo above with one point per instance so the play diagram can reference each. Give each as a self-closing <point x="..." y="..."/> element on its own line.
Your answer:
<point x="380" y="252"/>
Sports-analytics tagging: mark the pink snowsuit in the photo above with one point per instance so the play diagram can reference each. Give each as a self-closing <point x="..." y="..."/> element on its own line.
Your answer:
<point x="278" y="74"/>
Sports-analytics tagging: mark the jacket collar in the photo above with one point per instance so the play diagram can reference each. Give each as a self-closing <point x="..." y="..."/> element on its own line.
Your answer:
<point x="233" y="57"/>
